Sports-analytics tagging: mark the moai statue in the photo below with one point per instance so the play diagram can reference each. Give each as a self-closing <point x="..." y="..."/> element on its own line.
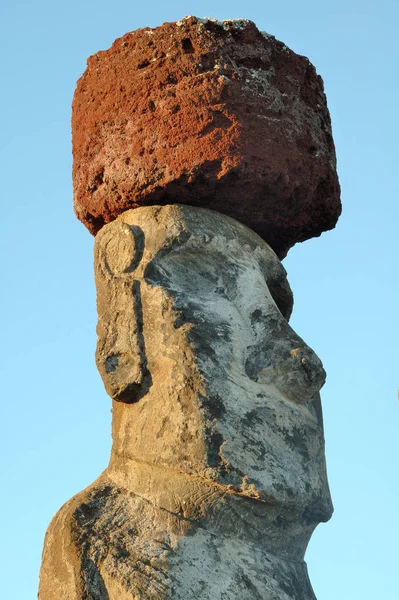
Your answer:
<point x="217" y="474"/>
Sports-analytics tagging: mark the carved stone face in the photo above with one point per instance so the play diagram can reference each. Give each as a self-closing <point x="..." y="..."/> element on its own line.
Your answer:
<point x="209" y="314"/>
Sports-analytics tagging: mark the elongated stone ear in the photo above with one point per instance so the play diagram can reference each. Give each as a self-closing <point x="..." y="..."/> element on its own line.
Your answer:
<point x="120" y="354"/>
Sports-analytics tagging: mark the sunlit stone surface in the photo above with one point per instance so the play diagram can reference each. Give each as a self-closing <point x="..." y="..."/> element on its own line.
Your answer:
<point x="217" y="472"/>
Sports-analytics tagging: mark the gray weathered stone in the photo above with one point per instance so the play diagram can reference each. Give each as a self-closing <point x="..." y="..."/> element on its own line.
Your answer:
<point x="217" y="473"/>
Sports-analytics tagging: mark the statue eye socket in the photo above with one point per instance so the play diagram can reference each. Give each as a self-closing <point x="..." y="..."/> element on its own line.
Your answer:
<point x="282" y="296"/>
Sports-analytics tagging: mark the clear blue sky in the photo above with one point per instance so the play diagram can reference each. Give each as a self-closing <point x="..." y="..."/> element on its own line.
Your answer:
<point x="55" y="415"/>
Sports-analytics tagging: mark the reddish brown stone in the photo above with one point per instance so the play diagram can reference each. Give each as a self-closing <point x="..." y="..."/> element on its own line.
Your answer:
<point x="209" y="114"/>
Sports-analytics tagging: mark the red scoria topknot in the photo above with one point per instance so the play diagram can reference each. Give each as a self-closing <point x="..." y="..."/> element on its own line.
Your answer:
<point x="206" y="113"/>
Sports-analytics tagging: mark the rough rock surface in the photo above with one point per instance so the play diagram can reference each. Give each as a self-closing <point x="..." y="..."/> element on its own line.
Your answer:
<point x="212" y="114"/>
<point x="217" y="473"/>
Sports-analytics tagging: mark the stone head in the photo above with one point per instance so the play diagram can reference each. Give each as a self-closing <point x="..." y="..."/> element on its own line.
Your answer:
<point x="195" y="349"/>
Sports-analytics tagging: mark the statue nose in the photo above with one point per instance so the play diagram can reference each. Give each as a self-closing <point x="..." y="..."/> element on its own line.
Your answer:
<point x="287" y="363"/>
<point x="306" y="375"/>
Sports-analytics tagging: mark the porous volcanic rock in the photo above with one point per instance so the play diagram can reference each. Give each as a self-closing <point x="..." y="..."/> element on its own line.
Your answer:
<point x="211" y="114"/>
